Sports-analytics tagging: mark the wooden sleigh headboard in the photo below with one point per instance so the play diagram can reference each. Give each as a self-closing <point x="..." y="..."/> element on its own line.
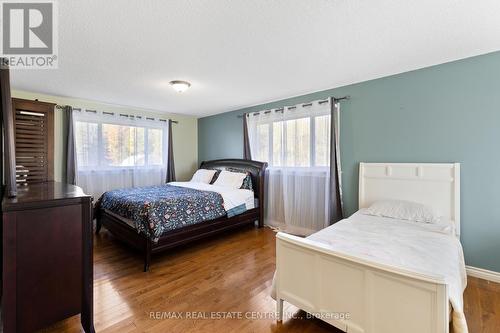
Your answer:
<point x="256" y="169"/>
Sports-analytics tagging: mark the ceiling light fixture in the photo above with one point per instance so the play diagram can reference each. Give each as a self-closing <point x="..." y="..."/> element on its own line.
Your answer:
<point x="180" y="86"/>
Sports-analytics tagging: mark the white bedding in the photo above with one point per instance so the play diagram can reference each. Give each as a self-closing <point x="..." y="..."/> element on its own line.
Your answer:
<point x="232" y="197"/>
<point x="430" y="249"/>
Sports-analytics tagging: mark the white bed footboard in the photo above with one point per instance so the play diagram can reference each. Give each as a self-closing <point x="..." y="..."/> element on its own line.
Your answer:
<point x="356" y="295"/>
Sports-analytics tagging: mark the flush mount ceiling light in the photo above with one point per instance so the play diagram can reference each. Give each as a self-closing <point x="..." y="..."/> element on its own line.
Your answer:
<point x="180" y="86"/>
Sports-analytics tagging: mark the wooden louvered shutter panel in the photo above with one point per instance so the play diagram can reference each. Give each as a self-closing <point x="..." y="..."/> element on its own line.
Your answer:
<point x="34" y="132"/>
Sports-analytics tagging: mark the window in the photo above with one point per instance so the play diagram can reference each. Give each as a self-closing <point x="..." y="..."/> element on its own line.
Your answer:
<point x="119" y="151"/>
<point x="86" y="143"/>
<point x="106" y="144"/>
<point x="263" y="142"/>
<point x="295" y="141"/>
<point x="299" y="142"/>
<point x="322" y="140"/>
<point x="155" y="146"/>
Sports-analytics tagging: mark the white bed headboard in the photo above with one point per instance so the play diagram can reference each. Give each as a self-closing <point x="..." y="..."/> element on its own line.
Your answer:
<point x="436" y="185"/>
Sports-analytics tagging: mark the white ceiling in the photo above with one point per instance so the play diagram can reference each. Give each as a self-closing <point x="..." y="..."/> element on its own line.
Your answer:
<point x="238" y="53"/>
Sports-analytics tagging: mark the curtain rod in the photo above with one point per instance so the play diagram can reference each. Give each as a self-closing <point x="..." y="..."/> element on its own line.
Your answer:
<point x="112" y="114"/>
<point x="345" y="98"/>
<point x="335" y="100"/>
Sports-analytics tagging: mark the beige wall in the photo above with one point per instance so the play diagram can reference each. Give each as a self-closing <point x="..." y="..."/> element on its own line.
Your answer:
<point x="185" y="133"/>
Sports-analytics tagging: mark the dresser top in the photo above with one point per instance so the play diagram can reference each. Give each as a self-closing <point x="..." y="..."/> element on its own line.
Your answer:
<point x="42" y="194"/>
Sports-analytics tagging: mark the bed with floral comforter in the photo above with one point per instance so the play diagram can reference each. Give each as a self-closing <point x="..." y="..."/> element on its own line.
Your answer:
<point x="158" y="209"/>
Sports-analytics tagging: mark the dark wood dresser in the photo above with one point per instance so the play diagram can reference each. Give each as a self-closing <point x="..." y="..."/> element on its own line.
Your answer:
<point x="47" y="257"/>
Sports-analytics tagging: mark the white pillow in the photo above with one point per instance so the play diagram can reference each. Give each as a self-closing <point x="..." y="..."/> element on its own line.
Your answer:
<point x="203" y="176"/>
<point x="403" y="210"/>
<point x="230" y="179"/>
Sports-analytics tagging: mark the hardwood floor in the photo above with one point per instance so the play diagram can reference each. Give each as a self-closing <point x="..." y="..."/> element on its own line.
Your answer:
<point x="482" y="306"/>
<point x="228" y="273"/>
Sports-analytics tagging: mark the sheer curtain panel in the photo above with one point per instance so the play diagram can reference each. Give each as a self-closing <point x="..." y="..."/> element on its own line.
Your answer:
<point x="296" y="142"/>
<point x="118" y="151"/>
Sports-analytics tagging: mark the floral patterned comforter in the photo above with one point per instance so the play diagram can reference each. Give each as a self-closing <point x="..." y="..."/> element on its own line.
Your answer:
<point x="157" y="209"/>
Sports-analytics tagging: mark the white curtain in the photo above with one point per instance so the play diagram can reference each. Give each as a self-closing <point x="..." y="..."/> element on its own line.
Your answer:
<point x="295" y="141"/>
<point x="118" y="151"/>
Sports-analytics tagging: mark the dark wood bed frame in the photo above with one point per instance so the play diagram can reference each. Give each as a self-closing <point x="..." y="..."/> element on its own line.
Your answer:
<point x="129" y="235"/>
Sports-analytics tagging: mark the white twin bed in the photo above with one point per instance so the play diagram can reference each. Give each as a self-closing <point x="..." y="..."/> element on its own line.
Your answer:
<point x="377" y="274"/>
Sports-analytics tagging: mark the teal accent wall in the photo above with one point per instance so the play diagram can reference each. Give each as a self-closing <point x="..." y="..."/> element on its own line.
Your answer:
<point x="444" y="113"/>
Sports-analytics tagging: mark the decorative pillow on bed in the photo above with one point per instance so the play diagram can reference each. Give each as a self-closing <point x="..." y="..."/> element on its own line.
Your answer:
<point x="403" y="210"/>
<point x="203" y="176"/>
<point x="216" y="175"/>
<point x="247" y="182"/>
<point x="230" y="179"/>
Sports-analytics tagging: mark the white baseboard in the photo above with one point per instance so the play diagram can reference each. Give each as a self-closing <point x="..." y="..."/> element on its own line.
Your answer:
<point x="483" y="274"/>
